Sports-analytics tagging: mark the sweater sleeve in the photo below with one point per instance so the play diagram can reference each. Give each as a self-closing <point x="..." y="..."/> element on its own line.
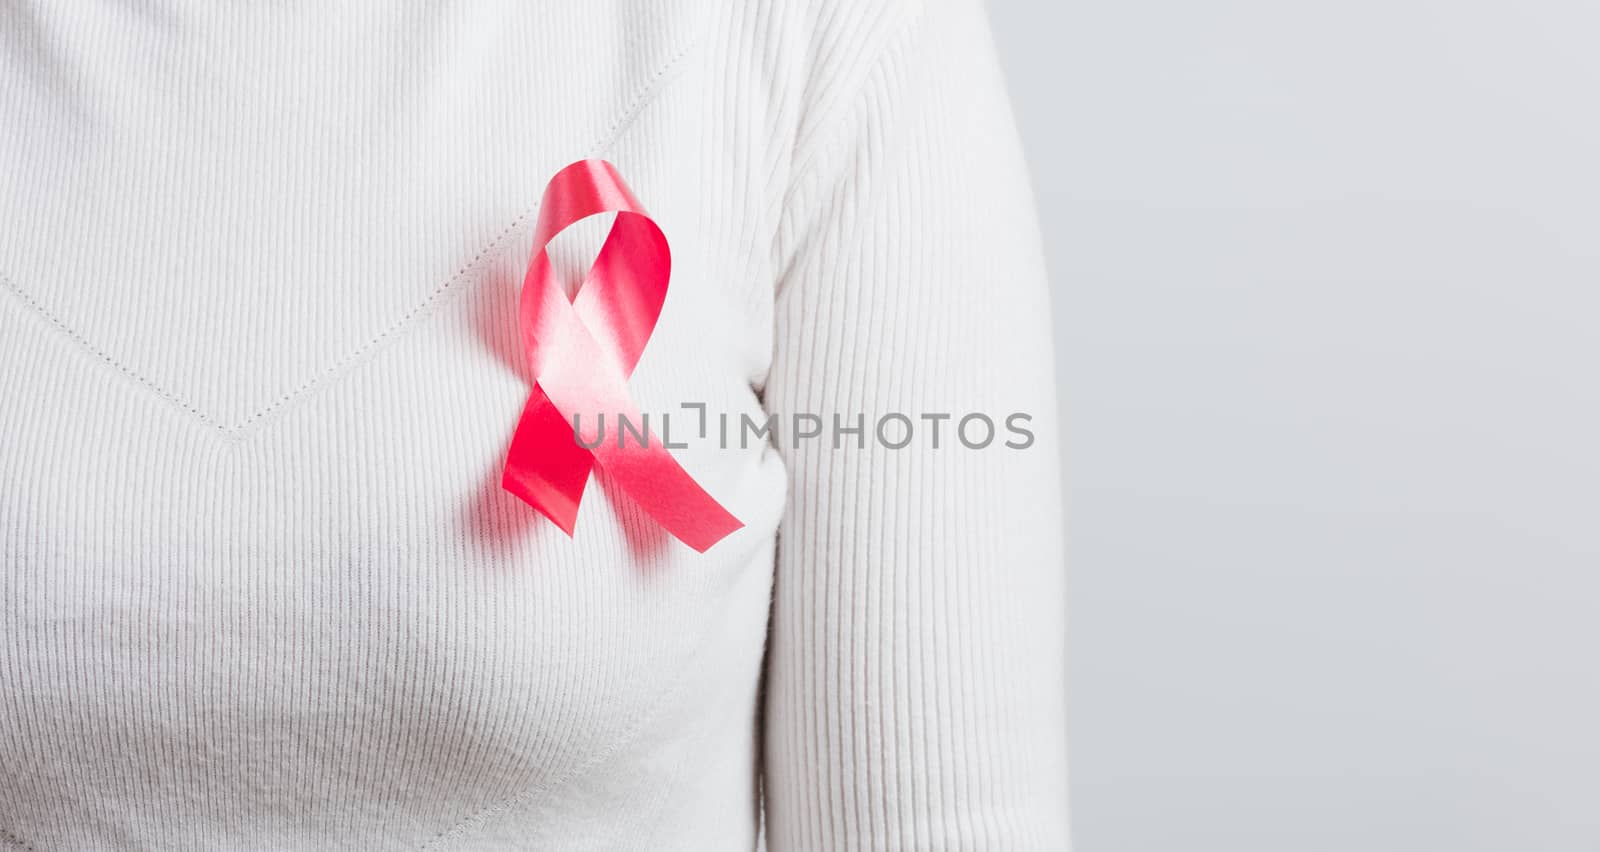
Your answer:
<point x="915" y="688"/>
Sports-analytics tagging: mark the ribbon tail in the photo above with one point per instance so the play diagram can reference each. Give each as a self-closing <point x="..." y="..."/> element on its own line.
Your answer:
<point x="545" y="467"/>
<point x="666" y="492"/>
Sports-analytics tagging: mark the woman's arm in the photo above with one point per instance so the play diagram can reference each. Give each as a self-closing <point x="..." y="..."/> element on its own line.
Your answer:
<point x="915" y="685"/>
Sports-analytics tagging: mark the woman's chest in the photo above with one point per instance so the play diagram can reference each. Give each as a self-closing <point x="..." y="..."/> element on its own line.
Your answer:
<point x="260" y="370"/>
<point x="336" y="608"/>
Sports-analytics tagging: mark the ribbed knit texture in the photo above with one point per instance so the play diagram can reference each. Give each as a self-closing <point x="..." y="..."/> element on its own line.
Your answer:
<point x="259" y="365"/>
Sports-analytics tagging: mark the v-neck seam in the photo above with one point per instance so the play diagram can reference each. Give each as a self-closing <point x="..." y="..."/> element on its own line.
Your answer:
<point x="648" y="91"/>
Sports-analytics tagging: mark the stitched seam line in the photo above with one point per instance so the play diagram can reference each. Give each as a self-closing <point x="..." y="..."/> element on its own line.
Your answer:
<point x="648" y="90"/>
<point x="99" y="355"/>
<point x="803" y="165"/>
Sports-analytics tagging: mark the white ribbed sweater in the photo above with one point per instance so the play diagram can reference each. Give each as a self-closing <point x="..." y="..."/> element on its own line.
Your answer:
<point x="259" y="366"/>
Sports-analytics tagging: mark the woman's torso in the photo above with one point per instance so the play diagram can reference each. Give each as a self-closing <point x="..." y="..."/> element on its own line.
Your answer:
<point x="259" y="367"/>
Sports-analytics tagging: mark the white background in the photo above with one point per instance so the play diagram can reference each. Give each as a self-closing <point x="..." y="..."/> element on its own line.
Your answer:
<point x="1327" y="279"/>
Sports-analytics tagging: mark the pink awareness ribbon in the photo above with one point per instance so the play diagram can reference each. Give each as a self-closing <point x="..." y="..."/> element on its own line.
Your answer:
<point x="581" y="353"/>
